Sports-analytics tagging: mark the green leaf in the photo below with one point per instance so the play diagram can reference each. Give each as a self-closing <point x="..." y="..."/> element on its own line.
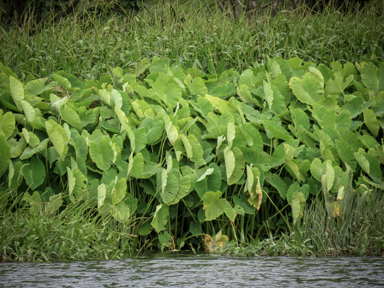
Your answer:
<point x="370" y="165"/>
<point x="214" y="206"/>
<point x="197" y="150"/>
<point x="121" y="212"/>
<point x="170" y="187"/>
<point x="373" y="77"/>
<point x="160" y="218"/>
<point x="29" y="151"/>
<point x="37" y="87"/>
<point x="102" y="154"/>
<point x="71" y="117"/>
<point x="231" y="133"/>
<point x="168" y="91"/>
<point x="230" y="164"/>
<point x="208" y="179"/>
<point x="34" y="202"/>
<point x="137" y="165"/>
<point x="197" y="87"/>
<point x="238" y="171"/>
<point x="371" y="121"/>
<point x="337" y="85"/>
<point x="278" y="183"/>
<point x="244" y="93"/>
<point x="58" y="137"/>
<point x="224" y="91"/>
<point x="7" y="124"/>
<point x="308" y="90"/>
<point x="140" y="139"/>
<point x="34" y="173"/>
<point x="145" y="229"/>
<point x="5" y="154"/>
<point x="165" y="239"/>
<point x="203" y="106"/>
<point x="154" y="129"/>
<point x="15" y="177"/>
<point x="119" y="191"/>
<point x="195" y="228"/>
<point x="62" y="81"/>
<point x="17" y="147"/>
<point x="185" y="184"/>
<point x="17" y="91"/>
<point x="298" y="204"/>
<point x="77" y="184"/>
<point x="345" y="152"/>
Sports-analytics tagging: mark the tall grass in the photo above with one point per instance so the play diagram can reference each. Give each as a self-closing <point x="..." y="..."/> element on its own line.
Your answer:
<point x="87" y="45"/>
<point x="73" y="234"/>
<point x="359" y="231"/>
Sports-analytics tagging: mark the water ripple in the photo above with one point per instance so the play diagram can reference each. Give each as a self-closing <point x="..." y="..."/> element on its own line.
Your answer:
<point x="185" y="270"/>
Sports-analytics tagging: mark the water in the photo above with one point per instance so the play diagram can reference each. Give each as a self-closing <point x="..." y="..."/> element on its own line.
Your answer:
<point x="188" y="270"/>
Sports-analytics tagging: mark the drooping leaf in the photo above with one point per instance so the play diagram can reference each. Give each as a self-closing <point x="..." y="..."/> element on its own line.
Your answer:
<point x="160" y="218"/>
<point x="298" y="204"/>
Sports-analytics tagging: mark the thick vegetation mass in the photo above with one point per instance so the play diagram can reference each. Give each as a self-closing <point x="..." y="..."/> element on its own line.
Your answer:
<point x="175" y="155"/>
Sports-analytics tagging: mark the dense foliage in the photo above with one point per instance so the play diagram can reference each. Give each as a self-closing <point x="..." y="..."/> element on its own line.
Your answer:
<point x="175" y="154"/>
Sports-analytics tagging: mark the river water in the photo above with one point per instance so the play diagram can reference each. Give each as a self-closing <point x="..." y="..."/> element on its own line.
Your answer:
<point x="189" y="270"/>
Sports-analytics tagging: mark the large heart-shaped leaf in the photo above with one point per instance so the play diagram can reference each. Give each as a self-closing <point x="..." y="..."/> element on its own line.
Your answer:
<point x="307" y="90"/>
<point x="34" y="173"/>
<point x="214" y="206"/>
<point x="102" y="154"/>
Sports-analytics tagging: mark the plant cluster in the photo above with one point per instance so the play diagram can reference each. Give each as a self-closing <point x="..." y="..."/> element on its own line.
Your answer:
<point x="175" y="154"/>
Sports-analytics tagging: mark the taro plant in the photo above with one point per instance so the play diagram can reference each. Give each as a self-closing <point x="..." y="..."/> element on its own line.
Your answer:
<point x="178" y="154"/>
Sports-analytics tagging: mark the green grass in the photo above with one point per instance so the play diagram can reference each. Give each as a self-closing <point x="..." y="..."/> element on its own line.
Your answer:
<point x="88" y="45"/>
<point x="360" y="232"/>
<point x="73" y="234"/>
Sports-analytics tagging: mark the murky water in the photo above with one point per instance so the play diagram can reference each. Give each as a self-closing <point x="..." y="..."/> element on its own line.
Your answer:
<point x="185" y="270"/>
